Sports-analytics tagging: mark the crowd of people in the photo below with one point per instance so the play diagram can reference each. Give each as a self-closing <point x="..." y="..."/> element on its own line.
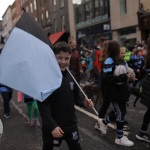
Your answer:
<point x="108" y="56"/>
<point x="100" y="62"/>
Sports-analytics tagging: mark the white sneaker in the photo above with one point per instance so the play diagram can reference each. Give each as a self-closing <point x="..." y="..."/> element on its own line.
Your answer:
<point x="103" y="127"/>
<point x="124" y="141"/>
<point x="97" y="127"/>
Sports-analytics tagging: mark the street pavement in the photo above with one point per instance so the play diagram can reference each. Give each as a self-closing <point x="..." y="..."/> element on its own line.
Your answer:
<point x="17" y="135"/>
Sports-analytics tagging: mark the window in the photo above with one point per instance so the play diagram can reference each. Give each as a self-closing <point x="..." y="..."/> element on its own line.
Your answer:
<point x="42" y="16"/>
<point x="34" y="4"/>
<point x="79" y="14"/>
<point x="27" y="9"/>
<point x="62" y="4"/>
<point x="31" y="7"/>
<point x="55" y="25"/>
<point x="63" y="22"/>
<point x="96" y="8"/>
<point x="36" y="19"/>
<point x="23" y="1"/>
<point x="46" y="14"/>
<point x="88" y="12"/>
<point x="102" y="9"/>
<point x="54" y="5"/>
<point x="123" y="7"/>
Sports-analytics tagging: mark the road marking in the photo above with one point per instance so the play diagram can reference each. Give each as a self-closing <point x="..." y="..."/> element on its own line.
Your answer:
<point x="96" y="117"/>
<point x="19" y="110"/>
<point x="1" y="128"/>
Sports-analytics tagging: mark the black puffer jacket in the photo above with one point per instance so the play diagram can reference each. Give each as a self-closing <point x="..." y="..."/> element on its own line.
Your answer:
<point x="145" y="96"/>
<point x="110" y="89"/>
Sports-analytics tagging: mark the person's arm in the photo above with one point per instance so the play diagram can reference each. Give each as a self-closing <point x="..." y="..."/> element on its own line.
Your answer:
<point x="80" y="100"/>
<point x="45" y="112"/>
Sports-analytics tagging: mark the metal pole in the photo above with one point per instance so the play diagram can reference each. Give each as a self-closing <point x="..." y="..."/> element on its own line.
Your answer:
<point x="81" y="90"/>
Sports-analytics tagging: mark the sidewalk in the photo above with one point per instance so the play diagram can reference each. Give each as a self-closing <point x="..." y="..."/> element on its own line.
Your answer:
<point x="17" y="135"/>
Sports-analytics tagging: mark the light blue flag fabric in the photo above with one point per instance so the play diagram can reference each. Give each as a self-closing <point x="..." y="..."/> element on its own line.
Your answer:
<point x="27" y="64"/>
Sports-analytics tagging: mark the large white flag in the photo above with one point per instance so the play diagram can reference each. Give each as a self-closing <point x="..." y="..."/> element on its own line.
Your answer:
<point x="27" y="62"/>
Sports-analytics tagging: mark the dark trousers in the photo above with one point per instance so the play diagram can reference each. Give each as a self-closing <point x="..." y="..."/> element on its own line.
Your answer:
<point x="72" y="140"/>
<point x="6" y="99"/>
<point x="103" y="109"/>
<point x="146" y="120"/>
<point x="118" y="115"/>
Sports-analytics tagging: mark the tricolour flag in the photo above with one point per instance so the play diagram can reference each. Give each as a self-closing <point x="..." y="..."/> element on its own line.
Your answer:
<point x="27" y="63"/>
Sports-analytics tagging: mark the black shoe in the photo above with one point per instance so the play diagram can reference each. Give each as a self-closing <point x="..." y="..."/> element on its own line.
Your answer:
<point x="143" y="136"/>
<point x="7" y="116"/>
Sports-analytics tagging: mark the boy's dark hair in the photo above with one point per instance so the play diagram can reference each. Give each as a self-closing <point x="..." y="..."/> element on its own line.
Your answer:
<point x="61" y="46"/>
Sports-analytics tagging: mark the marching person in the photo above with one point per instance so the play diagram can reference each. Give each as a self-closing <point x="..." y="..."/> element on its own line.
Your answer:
<point x="6" y="93"/>
<point x="145" y="99"/>
<point x="118" y="94"/>
<point x="57" y="111"/>
<point x="75" y="65"/>
<point x="31" y="105"/>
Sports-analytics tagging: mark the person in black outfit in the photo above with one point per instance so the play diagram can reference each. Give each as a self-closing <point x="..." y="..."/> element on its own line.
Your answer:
<point x="6" y="93"/>
<point x="59" y="121"/>
<point x="118" y="93"/>
<point x="145" y="99"/>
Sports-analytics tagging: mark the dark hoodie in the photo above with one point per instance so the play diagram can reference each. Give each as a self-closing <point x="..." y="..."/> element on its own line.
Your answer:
<point x="110" y="89"/>
<point x="58" y="109"/>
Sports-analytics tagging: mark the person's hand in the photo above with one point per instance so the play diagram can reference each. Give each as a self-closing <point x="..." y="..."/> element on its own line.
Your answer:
<point x="88" y="103"/>
<point x="57" y="132"/>
<point x="131" y="77"/>
<point x="81" y="71"/>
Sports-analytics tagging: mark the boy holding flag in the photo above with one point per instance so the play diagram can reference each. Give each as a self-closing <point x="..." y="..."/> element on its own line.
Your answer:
<point x="57" y="111"/>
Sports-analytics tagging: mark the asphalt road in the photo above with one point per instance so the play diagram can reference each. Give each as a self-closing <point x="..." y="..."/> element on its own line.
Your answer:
<point x="17" y="135"/>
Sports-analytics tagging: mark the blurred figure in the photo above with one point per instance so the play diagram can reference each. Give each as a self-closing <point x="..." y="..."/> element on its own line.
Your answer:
<point x="145" y="99"/>
<point x="6" y="93"/>
<point x="31" y="105"/>
<point x="75" y="65"/>
<point x="137" y="63"/>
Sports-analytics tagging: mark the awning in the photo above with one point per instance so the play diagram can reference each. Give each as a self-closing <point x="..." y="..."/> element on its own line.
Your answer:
<point x="55" y="37"/>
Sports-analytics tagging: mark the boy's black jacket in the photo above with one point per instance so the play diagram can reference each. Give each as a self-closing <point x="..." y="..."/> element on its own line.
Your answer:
<point x="58" y="109"/>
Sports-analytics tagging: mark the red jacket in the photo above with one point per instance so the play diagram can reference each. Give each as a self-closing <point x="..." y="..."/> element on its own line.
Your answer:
<point x="75" y="65"/>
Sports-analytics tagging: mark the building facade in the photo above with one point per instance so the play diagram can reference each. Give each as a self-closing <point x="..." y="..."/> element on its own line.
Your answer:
<point x="16" y="11"/>
<point x="60" y="18"/>
<point x="124" y="20"/>
<point x="1" y="31"/>
<point x="144" y="19"/>
<point x="92" y="19"/>
<point x="40" y="11"/>
<point x="7" y="22"/>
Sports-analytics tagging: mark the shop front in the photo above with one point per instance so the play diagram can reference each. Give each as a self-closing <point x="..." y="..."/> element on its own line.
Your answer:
<point x="89" y="36"/>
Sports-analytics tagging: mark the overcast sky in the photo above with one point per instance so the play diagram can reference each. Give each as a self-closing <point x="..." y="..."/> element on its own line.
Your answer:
<point x="3" y="6"/>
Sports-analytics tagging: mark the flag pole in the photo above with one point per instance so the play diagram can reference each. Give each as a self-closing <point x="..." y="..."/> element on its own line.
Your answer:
<point x="81" y="90"/>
